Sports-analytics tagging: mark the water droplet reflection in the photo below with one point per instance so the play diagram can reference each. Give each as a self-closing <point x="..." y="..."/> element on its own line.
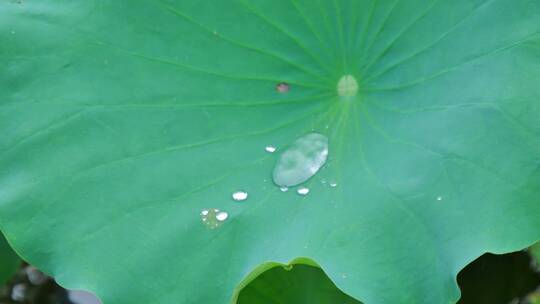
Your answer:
<point x="301" y="160"/>
<point x="284" y="189"/>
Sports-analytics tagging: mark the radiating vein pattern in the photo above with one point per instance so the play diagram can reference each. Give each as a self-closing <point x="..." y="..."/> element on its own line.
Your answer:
<point x="127" y="126"/>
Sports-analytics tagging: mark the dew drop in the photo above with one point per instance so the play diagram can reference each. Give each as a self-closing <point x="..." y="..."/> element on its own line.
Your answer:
<point x="439" y="198"/>
<point x="303" y="191"/>
<point x="333" y="184"/>
<point x="240" y="196"/>
<point x="282" y="87"/>
<point x="213" y="218"/>
<point x="221" y="216"/>
<point x="301" y="160"/>
<point x="270" y="149"/>
<point x="284" y="189"/>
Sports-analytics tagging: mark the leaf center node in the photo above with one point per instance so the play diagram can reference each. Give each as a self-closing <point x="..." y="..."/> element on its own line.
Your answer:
<point x="347" y="86"/>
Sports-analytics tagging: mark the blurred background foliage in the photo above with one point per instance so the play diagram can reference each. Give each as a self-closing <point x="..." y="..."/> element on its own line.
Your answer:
<point x="9" y="261"/>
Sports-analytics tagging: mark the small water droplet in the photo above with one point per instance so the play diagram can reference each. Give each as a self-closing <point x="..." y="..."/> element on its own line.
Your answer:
<point x="240" y="196"/>
<point x="213" y="218"/>
<point x="284" y="189"/>
<point x="333" y="184"/>
<point x="439" y="198"/>
<point x="301" y="160"/>
<point x="221" y="216"/>
<point x="270" y="149"/>
<point x="303" y="191"/>
<point x="282" y="87"/>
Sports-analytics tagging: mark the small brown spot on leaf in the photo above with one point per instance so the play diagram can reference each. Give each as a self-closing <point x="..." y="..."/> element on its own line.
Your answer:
<point x="282" y="87"/>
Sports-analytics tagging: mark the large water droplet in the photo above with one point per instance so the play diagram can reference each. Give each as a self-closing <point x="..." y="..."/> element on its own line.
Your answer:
<point x="302" y="191"/>
<point x="213" y="218"/>
<point x="240" y="196"/>
<point x="301" y="160"/>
